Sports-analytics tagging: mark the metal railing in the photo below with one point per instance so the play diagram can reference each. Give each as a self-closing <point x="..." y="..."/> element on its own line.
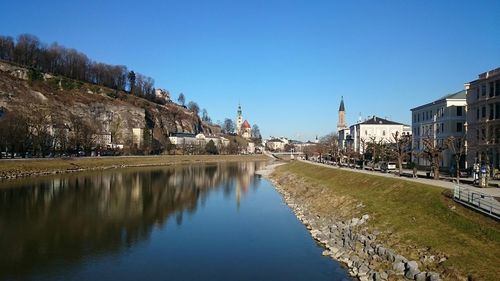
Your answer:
<point x="481" y="202"/>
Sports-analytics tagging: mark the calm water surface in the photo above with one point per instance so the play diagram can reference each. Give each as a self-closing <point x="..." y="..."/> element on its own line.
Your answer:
<point x="199" y="222"/>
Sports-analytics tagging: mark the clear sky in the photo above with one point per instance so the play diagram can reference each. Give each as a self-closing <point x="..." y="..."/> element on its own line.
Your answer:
<point x="287" y="62"/>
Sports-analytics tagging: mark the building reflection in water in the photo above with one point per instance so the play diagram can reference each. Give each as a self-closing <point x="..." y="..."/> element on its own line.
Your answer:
<point x="52" y="220"/>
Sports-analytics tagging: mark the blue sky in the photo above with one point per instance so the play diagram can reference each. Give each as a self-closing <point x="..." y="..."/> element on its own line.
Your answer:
<point x="286" y="62"/>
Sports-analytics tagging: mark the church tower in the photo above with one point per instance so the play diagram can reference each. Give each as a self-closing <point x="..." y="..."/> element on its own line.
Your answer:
<point x="239" y="120"/>
<point x="341" y="124"/>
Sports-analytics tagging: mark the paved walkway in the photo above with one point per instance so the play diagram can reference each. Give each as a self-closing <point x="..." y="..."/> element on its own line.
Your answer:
<point x="493" y="191"/>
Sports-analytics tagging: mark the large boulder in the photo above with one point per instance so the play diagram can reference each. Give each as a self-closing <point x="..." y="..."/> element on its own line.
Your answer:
<point x="411" y="269"/>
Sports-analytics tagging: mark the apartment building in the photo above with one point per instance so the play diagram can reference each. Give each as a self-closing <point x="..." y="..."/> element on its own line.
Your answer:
<point x="438" y="120"/>
<point x="483" y="118"/>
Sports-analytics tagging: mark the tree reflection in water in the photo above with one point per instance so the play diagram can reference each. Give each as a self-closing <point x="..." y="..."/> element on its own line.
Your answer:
<point x="52" y="220"/>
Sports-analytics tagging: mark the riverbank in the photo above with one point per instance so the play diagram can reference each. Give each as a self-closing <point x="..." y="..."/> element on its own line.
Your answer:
<point x="16" y="168"/>
<point x="385" y="228"/>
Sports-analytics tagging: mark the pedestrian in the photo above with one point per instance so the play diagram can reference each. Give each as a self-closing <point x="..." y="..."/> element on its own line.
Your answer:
<point x="414" y="171"/>
<point x="476" y="173"/>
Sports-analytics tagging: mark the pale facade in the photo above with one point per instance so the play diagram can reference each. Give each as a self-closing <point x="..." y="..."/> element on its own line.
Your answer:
<point x="197" y="139"/>
<point x="483" y="119"/>
<point x="275" y="145"/>
<point x="439" y="120"/>
<point x="137" y="137"/>
<point x="374" y="129"/>
<point x="162" y="95"/>
<point x="344" y="136"/>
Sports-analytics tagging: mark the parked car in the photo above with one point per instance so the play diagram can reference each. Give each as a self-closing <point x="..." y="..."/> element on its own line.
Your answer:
<point x="387" y="166"/>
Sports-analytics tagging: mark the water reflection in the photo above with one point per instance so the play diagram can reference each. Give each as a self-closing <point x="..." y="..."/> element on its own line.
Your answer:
<point x="54" y="221"/>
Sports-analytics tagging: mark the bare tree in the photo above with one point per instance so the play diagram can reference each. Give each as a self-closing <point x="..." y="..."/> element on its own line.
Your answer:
<point x="374" y="147"/>
<point x="131" y="81"/>
<point x="228" y="126"/>
<point x="194" y="107"/>
<point x="181" y="99"/>
<point x="433" y="151"/>
<point x="403" y="147"/>
<point x="256" y="133"/>
<point x="205" y="117"/>
<point x="6" y="48"/>
<point x="330" y="141"/>
<point x="457" y="146"/>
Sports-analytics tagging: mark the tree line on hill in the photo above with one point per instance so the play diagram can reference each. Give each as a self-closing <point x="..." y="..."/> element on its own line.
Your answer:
<point x="27" y="50"/>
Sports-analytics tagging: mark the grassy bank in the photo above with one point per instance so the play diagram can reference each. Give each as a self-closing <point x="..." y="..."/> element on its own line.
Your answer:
<point x="28" y="167"/>
<point x="414" y="219"/>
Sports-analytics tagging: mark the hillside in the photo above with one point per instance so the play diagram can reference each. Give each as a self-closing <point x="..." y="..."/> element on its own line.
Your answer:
<point x="59" y="101"/>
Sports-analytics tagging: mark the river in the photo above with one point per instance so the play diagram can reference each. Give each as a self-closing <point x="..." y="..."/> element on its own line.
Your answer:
<point x="191" y="222"/>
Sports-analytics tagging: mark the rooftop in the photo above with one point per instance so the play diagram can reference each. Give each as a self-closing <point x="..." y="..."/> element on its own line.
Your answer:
<point x="460" y="95"/>
<point x="378" y="121"/>
<point x="246" y="125"/>
<point x="183" y="135"/>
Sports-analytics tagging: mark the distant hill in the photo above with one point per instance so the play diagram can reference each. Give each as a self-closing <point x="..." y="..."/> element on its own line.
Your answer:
<point x="57" y="101"/>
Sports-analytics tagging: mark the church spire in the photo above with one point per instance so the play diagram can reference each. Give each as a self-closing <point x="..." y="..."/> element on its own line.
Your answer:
<point x="341" y="107"/>
<point x="341" y="122"/>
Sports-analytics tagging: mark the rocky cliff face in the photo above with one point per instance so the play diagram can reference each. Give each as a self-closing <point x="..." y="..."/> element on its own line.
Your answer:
<point x="111" y="111"/>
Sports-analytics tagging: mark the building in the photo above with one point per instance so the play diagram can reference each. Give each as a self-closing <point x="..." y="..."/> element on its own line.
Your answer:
<point x="246" y="130"/>
<point x="438" y="120"/>
<point x="275" y="145"/>
<point x="183" y="139"/>
<point x="239" y="119"/>
<point x="341" y="125"/>
<point x="137" y="137"/>
<point x="243" y="128"/>
<point x="299" y="146"/>
<point x="162" y="95"/>
<point x="483" y="119"/>
<point x="374" y="129"/>
<point x="343" y="132"/>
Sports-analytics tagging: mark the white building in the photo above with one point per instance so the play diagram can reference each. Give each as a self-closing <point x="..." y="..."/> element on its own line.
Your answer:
<point x="375" y="129"/>
<point x="162" y="95"/>
<point x="197" y="139"/>
<point x="439" y="120"/>
<point x="275" y="145"/>
<point x="344" y="135"/>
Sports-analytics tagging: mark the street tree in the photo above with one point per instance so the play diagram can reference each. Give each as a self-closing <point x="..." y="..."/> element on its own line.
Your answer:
<point x="433" y="152"/>
<point x="402" y="148"/>
<point x="330" y="142"/>
<point x="457" y="146"/>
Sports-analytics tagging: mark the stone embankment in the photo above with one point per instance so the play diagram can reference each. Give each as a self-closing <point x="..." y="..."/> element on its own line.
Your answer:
<point x="351" y="243"/>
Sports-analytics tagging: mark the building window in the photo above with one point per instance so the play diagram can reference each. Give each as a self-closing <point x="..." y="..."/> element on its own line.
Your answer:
<point x="491" y="112"/>
<point x="477" y="93"/>
<point x="459" y="110"/>
<point x="477" y="111"/>
<point x="497" y="110"/>
<point x="491" y="89"/>
<point x="442" y="127"/>
<point x="483" y="112"/>
<point x="459" y="127"/>
<point x="497" y="88"/>
<point x="383" y="133"/>
<point x="366" y="133"/>
<point x="477" y="134"/>
<point x="483" y="90"/>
